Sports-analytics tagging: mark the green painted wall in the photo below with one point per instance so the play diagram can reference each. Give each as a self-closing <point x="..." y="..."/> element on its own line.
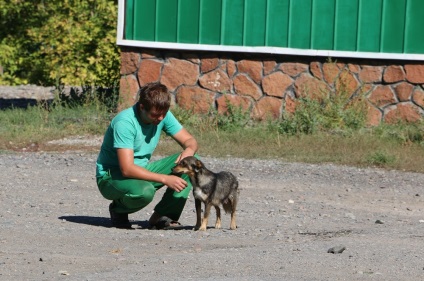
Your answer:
<point x="388" y="26"/>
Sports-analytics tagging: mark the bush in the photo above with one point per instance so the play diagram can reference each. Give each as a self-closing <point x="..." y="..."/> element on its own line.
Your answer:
<point x="329" y="112"/>
<point x="59" y="42"/>
<point x="380" y="158"/>
<point x="87" y="96"/>
<point x="402" y="132"/>
<point x="234" y="118"/>
<point x="305" y="120"/>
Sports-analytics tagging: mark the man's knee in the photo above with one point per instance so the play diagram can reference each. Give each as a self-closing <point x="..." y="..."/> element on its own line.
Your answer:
<point x="141" y="198"/>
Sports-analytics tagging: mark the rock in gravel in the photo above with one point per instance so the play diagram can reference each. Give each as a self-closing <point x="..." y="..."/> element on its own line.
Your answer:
<point x="336" y="250"/>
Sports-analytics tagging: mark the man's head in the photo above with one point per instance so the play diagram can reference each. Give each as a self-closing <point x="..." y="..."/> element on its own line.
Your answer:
<point x="154" y="95"/>
<point x="154" y="102"/>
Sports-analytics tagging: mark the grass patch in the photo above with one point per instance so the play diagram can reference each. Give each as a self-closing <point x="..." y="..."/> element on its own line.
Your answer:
<point x="33" y="126"/>
<point x="361" y="149"/>
<point x="339" y="137"/>
<point x="380" y="158"/>
<point x="21" y="128"/>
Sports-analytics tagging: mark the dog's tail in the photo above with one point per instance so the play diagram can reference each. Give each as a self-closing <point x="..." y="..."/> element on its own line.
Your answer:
<point x="230" y="204"/>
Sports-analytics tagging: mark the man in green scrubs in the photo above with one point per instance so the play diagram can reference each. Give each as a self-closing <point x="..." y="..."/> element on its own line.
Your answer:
<point x="123" y="171"/>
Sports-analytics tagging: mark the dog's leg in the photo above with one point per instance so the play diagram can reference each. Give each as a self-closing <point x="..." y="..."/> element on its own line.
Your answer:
<point x="198" y="205"/>
<point x="233" y="224"/>
<point x="218" y="217"/>
<point x="205" y="217"/>
<point x="233" y="220"/>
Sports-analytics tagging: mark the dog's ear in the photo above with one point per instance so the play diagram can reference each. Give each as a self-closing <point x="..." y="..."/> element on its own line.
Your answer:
<point x="198" y="165"/>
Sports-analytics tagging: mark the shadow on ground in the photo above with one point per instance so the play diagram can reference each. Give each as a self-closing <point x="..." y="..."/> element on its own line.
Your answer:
<point x="17" y="103"/>
<point x="95" y="221"/>
<point x="105" y="222"/>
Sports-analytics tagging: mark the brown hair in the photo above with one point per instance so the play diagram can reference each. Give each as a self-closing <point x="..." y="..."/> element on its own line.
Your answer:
<point x="154" y="95"/>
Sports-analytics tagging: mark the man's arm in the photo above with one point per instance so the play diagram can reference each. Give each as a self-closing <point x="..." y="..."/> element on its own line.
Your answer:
<point x="130" y="170"/>
<point x="187" y="142"/>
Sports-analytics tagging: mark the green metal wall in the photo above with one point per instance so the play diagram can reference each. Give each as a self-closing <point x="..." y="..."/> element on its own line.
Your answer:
<point x="388" y="26"/>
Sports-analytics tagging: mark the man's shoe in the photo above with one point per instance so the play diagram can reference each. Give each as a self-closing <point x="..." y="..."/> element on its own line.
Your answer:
<point x="119" y="220"/>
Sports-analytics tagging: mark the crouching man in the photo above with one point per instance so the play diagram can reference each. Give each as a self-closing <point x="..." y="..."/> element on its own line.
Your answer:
<point x="124" y="172"/>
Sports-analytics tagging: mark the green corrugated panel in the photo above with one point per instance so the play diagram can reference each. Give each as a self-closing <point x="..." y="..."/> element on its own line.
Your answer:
<point x="369" y="32"/>
<point x="210" y="22"/>
<point x="129" y="15"/>
<point x="414" y="39"/>
<point x="390" y="26"/>
<point x="166" y="20"/>
<point x="323" y="12"/>
<point x="346" y="25"/>
<point x="144" y="20"/>
<point x="300" y="24"/>
<point x="232" y="22"/>
<point x="277" y="23"/>
<point x="188" y="21"/>
<point x="255" y="22"/>
<point x="393" y="26"/>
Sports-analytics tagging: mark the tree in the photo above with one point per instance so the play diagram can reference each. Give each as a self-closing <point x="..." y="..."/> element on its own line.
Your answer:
<point x="70" y="42"/>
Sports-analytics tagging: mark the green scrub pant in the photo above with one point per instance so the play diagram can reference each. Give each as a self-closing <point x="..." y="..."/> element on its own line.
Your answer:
<point x="131" y="195"/>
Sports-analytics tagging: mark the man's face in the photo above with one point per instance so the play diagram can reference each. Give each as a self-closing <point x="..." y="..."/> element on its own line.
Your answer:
<point x="153" y="116"/>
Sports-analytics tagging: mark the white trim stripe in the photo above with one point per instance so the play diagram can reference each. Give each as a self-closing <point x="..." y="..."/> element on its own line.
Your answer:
<point x="269" y="50"/>
<point x="121" y="20"/>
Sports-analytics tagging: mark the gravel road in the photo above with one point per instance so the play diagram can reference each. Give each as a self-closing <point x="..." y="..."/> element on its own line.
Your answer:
<point x="54" y="225"/>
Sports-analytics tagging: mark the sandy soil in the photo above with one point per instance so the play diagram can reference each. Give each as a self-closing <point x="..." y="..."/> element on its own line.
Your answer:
<point x="54" y="225"/>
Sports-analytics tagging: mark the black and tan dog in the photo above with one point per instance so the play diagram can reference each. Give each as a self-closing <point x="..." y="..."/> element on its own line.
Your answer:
<point x="213" y="189"/>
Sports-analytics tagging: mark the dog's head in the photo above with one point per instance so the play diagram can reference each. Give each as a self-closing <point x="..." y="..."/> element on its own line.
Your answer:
<point x="189" y="166"/>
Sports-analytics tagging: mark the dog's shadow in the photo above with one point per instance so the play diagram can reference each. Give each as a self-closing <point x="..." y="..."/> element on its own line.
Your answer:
<point x="105" y="222"/>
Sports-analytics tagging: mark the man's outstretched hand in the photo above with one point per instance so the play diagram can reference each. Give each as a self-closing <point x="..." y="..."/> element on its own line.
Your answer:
<point x="175" y="183"/>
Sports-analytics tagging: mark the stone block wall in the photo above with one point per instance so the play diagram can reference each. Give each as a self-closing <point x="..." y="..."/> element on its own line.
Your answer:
<point x="268" y="86"/>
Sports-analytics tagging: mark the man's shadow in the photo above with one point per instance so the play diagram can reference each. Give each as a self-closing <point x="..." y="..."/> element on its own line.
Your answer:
<point x="99" y="221"/>
<point x="105" y="222"/>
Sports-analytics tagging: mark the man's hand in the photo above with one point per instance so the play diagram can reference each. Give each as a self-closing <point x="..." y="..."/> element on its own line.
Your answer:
<point x="175" y="183"/>
<point x="186" y="153"/>
<point x="187" y="142"/>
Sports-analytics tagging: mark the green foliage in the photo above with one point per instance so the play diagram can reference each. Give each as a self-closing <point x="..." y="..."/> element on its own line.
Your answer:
<point x="331" y="112"/>
<point x="187" y="117"/>
<point x="403" y="133"/>
<point x="380" y="158"/>
<point x="233" y="119"/>
<point x="87" y="96"/>
<point x="305" y="120"/>
<point x="71" y="42"/>
<point x="15" y="45"/>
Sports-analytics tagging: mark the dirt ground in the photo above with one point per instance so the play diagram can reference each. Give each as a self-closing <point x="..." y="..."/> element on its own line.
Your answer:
<point x="54" y="225"/>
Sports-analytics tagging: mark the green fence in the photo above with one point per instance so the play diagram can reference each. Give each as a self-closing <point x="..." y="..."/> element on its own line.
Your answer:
<point x="378" y="26"/>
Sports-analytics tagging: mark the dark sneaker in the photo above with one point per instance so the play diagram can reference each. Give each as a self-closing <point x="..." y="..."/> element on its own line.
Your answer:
<point x="119" y="220"/>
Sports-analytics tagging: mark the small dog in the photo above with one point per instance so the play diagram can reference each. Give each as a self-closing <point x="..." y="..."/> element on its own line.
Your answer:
<point x="213" y="189"/>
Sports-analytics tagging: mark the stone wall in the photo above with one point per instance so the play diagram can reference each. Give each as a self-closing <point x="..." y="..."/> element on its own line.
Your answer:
<point x="268" y="86"/>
